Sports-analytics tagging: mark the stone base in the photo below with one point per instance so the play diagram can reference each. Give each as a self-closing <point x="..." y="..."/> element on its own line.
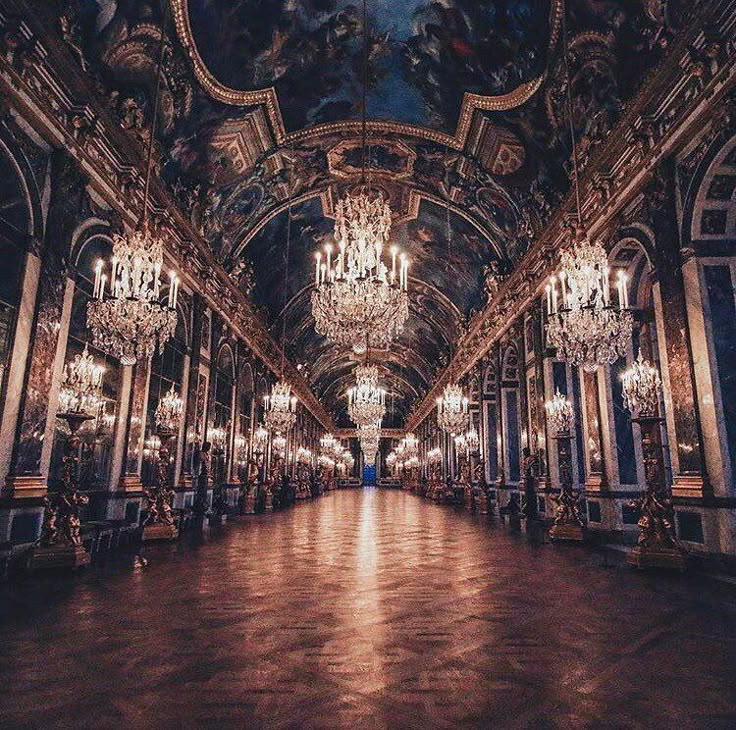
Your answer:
<point x="27" y="486"/>
<point x="59" y="557"/>
<point x="568" y="532"/>
<point x="655" y="557"/>
<point x="130" y="483"/>
<point x="160" y="531"/>
<point x="685" y="485"/>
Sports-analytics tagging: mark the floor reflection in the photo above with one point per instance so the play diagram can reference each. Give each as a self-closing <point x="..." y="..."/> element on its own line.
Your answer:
<point x="367" y="608"/>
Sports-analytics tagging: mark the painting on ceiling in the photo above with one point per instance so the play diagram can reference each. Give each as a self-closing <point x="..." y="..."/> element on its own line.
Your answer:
<point x="422" y="55"/>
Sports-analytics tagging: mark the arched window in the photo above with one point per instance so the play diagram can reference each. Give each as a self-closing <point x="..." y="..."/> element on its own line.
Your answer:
<point x="15" y="229"/>
<point x="219" y="430"/>
<point x="167" y="370"/>
<point x="97" y="435"/>
<point x="245" y="406"/>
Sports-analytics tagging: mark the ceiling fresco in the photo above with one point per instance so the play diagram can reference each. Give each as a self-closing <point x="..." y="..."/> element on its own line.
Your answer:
<point x="234" y="153"/>
<point x="422" y="55"/>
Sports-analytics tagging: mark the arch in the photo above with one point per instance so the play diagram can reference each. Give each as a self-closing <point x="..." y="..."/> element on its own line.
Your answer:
<point x="226" y="360"/>
<point x="510" y="364"/>
<point x="633" y="253"/>
<point x="709" y="212"/>
<point x="31" y="223"/>
<point x="490" y="379"/>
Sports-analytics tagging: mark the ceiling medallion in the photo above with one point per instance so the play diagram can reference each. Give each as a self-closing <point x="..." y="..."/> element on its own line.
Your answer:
<point x="279" y="408"/>
<point x="357" y="297"/>
<point x="586" y="328"/>
<point x="452" y="410"/>
<point x="366" y="400"/>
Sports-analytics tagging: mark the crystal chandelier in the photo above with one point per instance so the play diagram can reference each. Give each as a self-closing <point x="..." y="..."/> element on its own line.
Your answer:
<point x="126" y="315"/>
<point x="81" y="389"/>
<point x="472" y="439"/>
<point x="641" y="388"/>
<point x="452" y="410"/>
<point x="167" y="415"/>
<point x="260" y="440"/>
<point x="217" y="436"/>
<point x="279" y="408"/>
<point x="357" y="298"/>
<point x="303" y="456"/>
<point x="560" y="415"/>
<point x="434" y="456"/>
<point x="411" y="445"/>
<point x="586" y="328"/>
<point x="366" y="400"/>
<point x="369" y="437"/>
<point x="327" y="444"/>
<point x="279" y="446"/>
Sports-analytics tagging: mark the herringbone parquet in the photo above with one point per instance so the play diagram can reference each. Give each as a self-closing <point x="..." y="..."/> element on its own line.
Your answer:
<point x="368" y="609"/>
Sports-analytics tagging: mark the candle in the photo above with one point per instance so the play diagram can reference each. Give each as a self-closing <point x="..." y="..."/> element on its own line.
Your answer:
<point x="323" y="270"/>
<point x="317" y="257"/>
<point x="563" y="289"/>
<point x="548" y="292"/>
<point x="342" y="258"/>
<point x="553" y="281"/>
<point x="103" y="279"/>
<point x="394" y="251"/>
<point x="98" y="276"/>
<point x="606" y="286"/>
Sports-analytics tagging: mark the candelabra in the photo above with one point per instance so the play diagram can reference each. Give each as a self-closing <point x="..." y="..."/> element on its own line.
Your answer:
<point x="80" y="400"/>
<point x="452" y="410"/>
<point x="569" y="520"/>
<point x="279" y="408"/>
<point x="587" y="329"/>
<point x="657" y="545"/>
<point x="369" y="437"/>
<point x="357" y="298"/>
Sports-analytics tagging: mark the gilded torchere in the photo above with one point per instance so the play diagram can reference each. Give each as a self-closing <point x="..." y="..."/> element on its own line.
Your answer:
<point x="657" y="546"/>
<point x="569" y="521"/>
<point x="159" y="524"/>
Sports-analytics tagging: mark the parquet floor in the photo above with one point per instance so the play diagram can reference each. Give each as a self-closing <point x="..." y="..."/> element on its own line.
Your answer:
<point x="368" y="609"/>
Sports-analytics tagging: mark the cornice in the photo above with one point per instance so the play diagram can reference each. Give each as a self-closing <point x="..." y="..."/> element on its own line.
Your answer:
<point x="672" y="106"/>
<point x="40" y="79"/>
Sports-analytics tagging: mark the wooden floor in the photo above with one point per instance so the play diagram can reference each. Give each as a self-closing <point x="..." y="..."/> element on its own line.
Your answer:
<point x="368" y="609"/>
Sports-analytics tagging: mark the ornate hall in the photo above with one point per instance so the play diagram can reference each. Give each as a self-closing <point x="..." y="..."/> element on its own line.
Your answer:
<point x="368" y="364"/>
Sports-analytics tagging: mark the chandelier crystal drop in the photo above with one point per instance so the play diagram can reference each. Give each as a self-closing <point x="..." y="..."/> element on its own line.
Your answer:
<point x="279" y="408"/>
<point x="452" y="410"/>
<point x="357" y="297"/>
<point x="585" y="327"/>
<point x="167" y="415"/>
<point x="366" y="400"/>
<point x="81" y="389"/>
<point x="641" y="386"/>
<point x="560" y="415"/>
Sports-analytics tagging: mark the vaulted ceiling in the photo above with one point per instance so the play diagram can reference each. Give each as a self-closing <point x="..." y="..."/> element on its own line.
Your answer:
<point x="467" y="126"/>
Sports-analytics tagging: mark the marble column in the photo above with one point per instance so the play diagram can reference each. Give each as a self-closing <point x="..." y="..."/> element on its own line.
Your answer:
<point x="673" y="330"/>
<point x="35" y="411"/>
